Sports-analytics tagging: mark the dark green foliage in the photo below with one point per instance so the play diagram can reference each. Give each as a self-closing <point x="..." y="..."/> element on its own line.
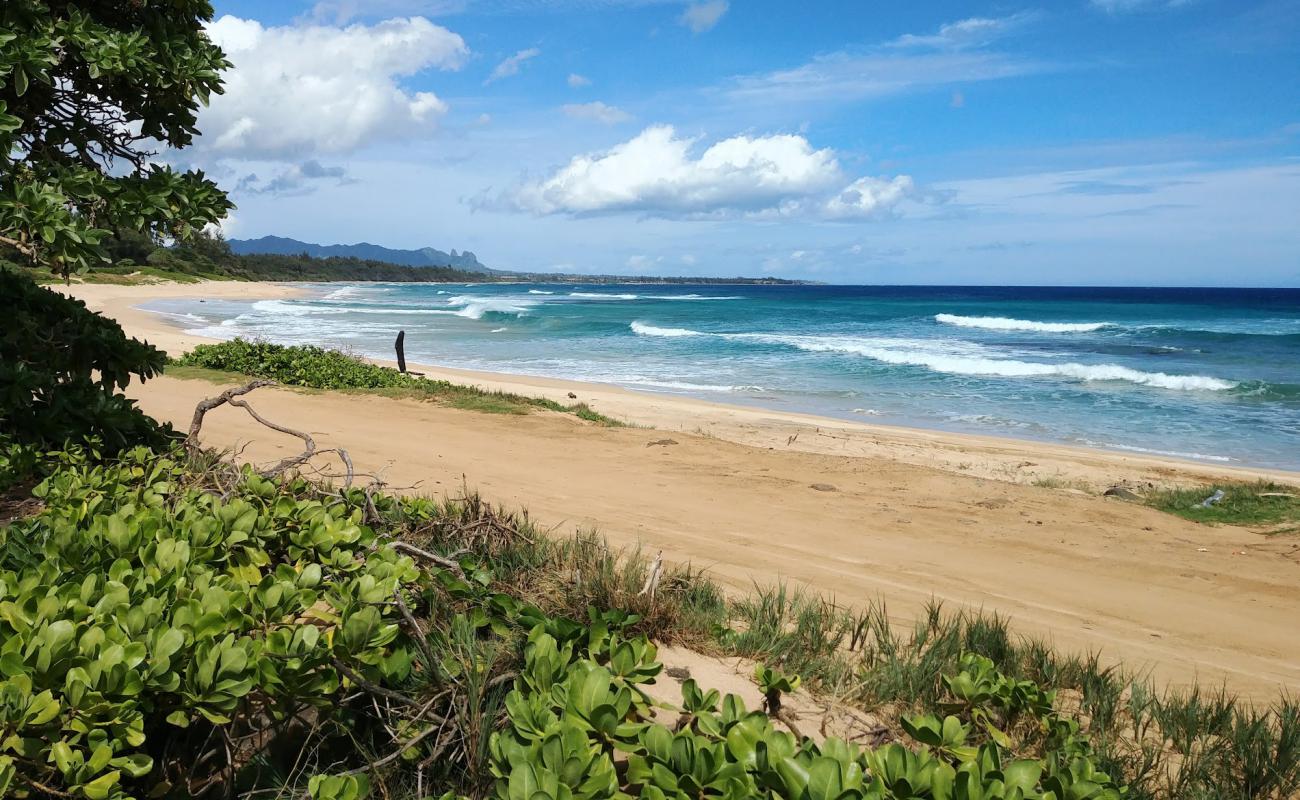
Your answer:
<point x="61" y="369"/>
<point x="86" y="89"/>
<point x="318" y="368"/>
<point x="1252" y="504"/>
<point x="578" y="701"/>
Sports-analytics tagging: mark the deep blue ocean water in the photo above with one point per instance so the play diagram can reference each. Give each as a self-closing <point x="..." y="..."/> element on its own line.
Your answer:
<point x="1210" y="374"/>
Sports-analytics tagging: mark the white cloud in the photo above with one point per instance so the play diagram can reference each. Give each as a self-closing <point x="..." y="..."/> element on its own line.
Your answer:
<point x="701" y="17"/>
<point x="660" y="174"/>
<point x="511" y="65"/>
<point x="1128" y="6"/>
<point x="871" y="197"/>
<point x="299" y="90"/>
<point x="598" y="111"/>
<point x="971" y="32"/>
<point x="956" y="54"/>
<point x="341" y="11"/>
<point x="577" y="81"/>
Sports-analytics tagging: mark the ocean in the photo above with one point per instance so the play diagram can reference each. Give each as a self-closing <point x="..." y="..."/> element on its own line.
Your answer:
<point x="1204" y="374"/>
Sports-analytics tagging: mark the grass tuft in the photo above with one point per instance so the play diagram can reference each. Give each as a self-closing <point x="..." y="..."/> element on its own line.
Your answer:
<point x="1259" y="504"/>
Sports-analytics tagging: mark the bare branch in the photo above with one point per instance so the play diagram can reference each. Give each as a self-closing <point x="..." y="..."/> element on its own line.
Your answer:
<point x="204" y="406"/>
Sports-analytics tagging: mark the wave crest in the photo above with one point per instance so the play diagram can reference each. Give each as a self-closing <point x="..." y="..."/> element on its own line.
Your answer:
<point x="908" y="353"/>
<point x="1010" y="324"/>
<point x="642" y="329"/>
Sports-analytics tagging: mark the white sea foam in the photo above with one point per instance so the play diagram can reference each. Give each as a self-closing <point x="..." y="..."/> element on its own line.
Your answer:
<point x="175" y="315"/>
<point x="339" y="294"/>
<point x="498" y="330"/>
<point x="938" y="357"/>
<point x="538" y="291"/>
<point x="1009" y="324"/>
<point x="692" y="297"/>
<point x="603" y="296"/>
<point x="475" y="306"/>
<point x="1175" y="453"/>
<point x="642" y="329"/>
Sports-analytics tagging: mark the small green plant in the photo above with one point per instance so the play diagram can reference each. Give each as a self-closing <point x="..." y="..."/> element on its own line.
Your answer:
<point x="773" y="684"/>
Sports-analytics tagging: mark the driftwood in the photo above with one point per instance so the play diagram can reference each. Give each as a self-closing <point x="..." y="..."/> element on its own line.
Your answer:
<point x="400" y="347"/>
<point x="232" y="397"/>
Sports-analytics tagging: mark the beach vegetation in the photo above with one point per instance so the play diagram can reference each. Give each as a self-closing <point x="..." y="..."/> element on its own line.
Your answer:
<point x="1260" y="504"/>
<point x="62" y="369"/>
<point x="315" y="367"/>
<point x="191" y="627"/>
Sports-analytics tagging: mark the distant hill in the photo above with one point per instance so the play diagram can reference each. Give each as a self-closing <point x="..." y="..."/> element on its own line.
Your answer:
<point x="424" y="257"/>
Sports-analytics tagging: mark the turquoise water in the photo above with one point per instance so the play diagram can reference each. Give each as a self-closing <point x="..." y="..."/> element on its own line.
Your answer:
<point x="1209" y="374"/>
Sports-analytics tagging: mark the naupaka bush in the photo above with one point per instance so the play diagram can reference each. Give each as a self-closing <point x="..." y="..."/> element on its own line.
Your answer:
<point x="134" y="608"/>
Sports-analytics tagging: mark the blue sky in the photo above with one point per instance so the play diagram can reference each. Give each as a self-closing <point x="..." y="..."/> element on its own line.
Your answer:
<point x="1077" y="142"/>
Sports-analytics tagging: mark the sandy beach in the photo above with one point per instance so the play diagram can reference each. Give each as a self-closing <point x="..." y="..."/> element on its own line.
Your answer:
<point x="854" y="511"/>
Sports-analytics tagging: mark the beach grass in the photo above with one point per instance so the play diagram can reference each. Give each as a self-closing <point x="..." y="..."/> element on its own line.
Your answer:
<point x="1163" y="743"/>
<point x="1255" y="505"/>
<point x="315" y="368"/>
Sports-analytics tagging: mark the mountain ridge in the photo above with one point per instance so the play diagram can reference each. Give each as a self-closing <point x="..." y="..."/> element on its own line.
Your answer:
<point x="422" y="257"/>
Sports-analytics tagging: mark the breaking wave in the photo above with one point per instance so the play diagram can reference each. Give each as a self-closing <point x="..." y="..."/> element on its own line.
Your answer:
<point x="642" y="329"/>
<point x="939" y="359"/>
<point x="1009" y="324"/>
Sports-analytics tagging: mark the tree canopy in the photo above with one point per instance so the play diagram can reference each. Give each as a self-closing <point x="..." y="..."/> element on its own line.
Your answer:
<point x="91" y="92"/>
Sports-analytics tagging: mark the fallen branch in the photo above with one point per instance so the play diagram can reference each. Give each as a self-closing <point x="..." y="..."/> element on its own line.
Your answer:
<point x="410" y="549"/>
<point x="204" y="406"/>
<point x="230" y="397"/>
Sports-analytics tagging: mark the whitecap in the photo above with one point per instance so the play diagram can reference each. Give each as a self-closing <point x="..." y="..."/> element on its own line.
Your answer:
<point x="936" y="357"/>
<point x="642" y="329"/>
<point x="339" y="294"/>
<point x="1010" y="324"/>
<point x="602" y="296"/>
<point x="538" y="291"/>
<point x="475" y="306"/>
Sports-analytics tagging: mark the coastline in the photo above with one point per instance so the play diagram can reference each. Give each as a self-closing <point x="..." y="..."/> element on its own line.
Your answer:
<point x="850" y="511"/>
<point x="1009" y="459"/>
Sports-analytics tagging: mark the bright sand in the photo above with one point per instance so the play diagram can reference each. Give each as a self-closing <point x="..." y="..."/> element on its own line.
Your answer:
<point x="913" y="514"/>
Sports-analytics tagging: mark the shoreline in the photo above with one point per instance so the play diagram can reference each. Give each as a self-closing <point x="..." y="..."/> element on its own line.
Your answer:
<point x="1006" y="458"/>
<point x="851" y="512"/>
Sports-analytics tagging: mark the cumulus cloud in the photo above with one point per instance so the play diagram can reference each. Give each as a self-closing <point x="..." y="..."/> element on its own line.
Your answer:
<point x="659" y="173"/>
<point x="512" y="65"/>
<point x="701" y="17"/>
<point x="598" y="111"/>
<point x="303" y="89"/>
<point x="577" y="81"/>
<point x="871" y="197"/>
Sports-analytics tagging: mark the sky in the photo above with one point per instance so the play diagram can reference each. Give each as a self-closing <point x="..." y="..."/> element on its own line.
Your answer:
<point x="1086" y="142"/>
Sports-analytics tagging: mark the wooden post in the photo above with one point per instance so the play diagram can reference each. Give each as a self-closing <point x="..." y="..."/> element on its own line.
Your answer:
<point x="401" y="351"/>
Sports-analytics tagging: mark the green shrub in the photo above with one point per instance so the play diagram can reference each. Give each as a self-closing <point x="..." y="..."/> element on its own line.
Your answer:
<point x="61" y="367"/>
<point x="320" y="368"/>
<point x="133" y="610"/>
<point x="573" y="707"/>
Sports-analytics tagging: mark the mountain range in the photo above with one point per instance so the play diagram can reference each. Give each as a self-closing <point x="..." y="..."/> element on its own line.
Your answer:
<point x="424" y="257"/>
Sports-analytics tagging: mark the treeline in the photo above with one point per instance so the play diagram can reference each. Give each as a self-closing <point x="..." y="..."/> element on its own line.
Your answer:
<point x="210" y="256"/>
